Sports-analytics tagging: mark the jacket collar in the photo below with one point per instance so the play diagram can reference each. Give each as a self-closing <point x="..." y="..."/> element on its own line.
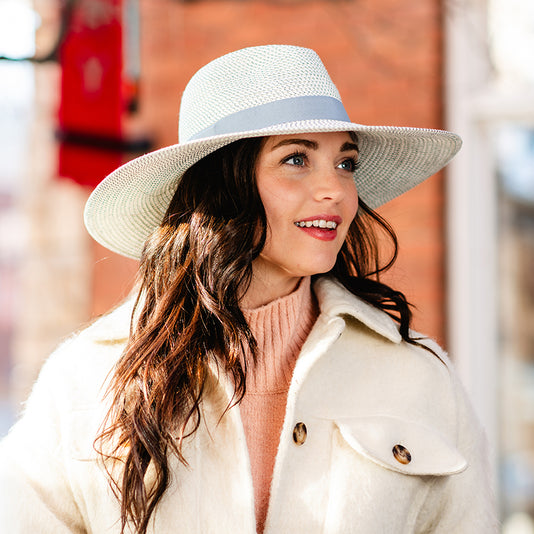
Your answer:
<point x="335" y="300"/>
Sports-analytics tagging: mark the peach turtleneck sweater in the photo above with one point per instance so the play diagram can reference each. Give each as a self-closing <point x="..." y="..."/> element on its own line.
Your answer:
<point x="280" y="329"/>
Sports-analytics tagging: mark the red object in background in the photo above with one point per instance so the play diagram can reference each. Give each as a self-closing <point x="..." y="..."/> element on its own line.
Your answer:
<point x="92" y="103"/>
<point x="91" y="60"/>
<point x="85" y="164"/>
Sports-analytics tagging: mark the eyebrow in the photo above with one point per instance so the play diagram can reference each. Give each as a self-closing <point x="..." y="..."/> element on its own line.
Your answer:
<point x="346" y="147"/>
<point x="313" y="145"/>
<point x="305" y="142"/>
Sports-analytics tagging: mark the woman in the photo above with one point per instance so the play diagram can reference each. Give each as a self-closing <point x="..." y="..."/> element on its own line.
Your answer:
<point x="268" y="382"/>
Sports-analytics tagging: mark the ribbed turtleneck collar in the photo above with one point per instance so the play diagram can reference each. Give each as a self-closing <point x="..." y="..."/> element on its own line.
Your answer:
<point x="280" y="329"/>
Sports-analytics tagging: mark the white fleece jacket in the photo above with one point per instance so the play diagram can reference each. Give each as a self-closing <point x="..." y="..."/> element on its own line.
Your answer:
<point x="359" y="390"/>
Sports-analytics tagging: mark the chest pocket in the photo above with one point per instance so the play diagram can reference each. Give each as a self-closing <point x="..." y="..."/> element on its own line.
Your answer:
<point x="402" y="446"/>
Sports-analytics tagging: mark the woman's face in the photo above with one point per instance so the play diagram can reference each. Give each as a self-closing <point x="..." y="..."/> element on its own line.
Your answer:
<point x="306" y="184"/>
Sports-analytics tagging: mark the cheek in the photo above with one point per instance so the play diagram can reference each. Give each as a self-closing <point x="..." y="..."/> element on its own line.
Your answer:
<point x="278" y="201"/>
<point x="272" y="209"/>
<point x="352" y="200"/>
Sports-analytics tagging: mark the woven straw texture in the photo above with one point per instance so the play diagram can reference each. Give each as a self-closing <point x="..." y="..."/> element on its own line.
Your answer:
<point x="262" y="77"/>
<point x="130" y="203"/>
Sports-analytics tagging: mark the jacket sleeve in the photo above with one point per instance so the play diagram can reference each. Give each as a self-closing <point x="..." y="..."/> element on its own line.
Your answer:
<point x="35" y="495"/>
<point x="463" y="503"/>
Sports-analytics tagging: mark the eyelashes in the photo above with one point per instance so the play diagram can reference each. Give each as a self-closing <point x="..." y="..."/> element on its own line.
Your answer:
<point x="355" y="164"/>
<point x="297" y="156"/>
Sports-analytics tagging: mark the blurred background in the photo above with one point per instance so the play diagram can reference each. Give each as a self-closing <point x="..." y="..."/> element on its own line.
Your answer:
<point x="88" y="84"/>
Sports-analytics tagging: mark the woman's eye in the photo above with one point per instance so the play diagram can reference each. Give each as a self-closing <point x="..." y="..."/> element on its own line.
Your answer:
<point x="296" y="159"/>
<point x="348" y="164"/>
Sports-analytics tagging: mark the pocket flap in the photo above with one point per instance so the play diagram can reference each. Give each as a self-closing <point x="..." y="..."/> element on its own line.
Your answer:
<point x="403" y="446"/>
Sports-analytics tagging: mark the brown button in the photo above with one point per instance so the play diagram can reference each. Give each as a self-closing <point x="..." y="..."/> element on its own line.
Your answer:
<point x="300" y="433"/>
<point x="402" y="454"/>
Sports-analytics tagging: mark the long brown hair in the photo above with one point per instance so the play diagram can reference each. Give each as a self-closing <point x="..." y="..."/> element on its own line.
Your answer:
<point x="193" y="271"/>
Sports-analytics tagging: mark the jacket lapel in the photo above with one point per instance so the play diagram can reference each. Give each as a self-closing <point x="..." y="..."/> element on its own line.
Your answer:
<point x="335" y="300"/>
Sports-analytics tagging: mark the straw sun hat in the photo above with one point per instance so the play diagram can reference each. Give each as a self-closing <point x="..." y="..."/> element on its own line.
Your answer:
<point x="258" y="91"/>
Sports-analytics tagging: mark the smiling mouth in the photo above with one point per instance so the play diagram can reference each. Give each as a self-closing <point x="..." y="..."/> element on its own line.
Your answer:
<point x="317" y="223"/>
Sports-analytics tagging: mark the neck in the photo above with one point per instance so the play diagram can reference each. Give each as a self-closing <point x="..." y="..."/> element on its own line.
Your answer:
<point x="263" y="290"/>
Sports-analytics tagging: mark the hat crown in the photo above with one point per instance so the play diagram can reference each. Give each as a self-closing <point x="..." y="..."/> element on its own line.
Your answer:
<point x="249" y="78"/>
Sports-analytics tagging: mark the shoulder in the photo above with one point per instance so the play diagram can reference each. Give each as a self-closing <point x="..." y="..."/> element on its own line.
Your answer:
<point x="68" y="401"/>
<point x="406" y="378"/>
<point x="45" y="456"/>
<point x="77" y="370"/>
<point x="374" y="370"/>
<point x="369" y="332"/>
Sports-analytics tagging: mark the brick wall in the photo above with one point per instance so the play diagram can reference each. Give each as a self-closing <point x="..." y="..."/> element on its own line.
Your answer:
<point x="385" y="57"/>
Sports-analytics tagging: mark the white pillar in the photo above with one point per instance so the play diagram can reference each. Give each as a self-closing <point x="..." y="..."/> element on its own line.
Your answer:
<point x="472" y="256"/>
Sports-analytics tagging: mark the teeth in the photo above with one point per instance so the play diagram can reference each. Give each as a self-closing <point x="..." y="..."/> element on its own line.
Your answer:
<point x="318" y="223"/>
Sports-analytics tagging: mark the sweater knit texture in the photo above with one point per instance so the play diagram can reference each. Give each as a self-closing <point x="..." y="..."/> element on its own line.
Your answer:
<point x="280" y="329"/>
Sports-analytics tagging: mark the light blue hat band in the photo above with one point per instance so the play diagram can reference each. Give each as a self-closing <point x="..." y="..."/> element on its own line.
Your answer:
<point x="295" y="109"/>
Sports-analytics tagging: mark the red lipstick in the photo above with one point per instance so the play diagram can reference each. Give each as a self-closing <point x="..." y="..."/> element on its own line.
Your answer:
<point x="322" y="227"/>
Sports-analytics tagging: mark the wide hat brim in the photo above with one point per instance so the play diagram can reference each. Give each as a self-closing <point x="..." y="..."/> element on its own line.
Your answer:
<point x="128" y="205"/>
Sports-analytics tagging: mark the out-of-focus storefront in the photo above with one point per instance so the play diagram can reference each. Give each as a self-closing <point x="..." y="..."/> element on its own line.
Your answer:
<point x="44" y="255"/>
<point x="490" y="84"/>
<point x="515" y="158"/>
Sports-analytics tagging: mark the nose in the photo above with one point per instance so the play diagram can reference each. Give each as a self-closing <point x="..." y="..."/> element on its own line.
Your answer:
<point x="328" y="185"/>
